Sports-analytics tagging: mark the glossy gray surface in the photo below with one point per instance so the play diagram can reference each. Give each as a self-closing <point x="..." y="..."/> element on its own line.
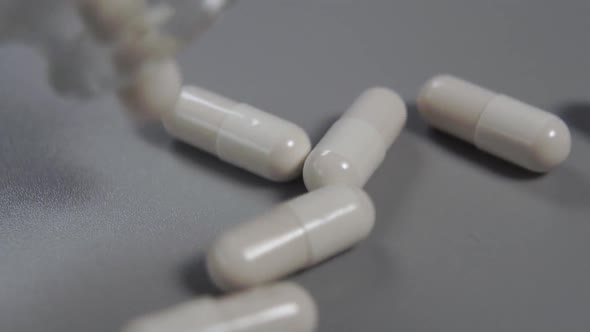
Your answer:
<point x="102" y="220"/>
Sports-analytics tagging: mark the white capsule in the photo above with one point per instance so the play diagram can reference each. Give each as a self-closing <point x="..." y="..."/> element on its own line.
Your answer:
<point x="356" y="144"/>
<point x="283" y="307"/>
<point x="239" y="134"/>
<point x="108" y="18"/>
<point x="154" y="90"/>
<point x="517" y="132"/>
<point x="293" y="236"/>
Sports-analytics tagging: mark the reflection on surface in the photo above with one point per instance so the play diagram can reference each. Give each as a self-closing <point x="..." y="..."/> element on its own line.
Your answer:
<point x="577" y="116"/>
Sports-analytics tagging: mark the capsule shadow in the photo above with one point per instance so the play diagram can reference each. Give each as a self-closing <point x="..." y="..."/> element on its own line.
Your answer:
<point x="217" y="168"/>
<point x="303" y="273"/>
<point x="392" y="183"/>
<point x="577" y="116"/>
<point x="151" y="132"/>
<point x="479" y="157"/>
<point x="415" y="123"/>
<point x="562" y="186"/>
<point x="565" y="187"/>
<point x="324" y="126"/>
<point x="362" y="272"/>
<point x="194" y="276"/>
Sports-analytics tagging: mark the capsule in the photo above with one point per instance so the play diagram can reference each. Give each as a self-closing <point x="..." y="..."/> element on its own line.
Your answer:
<point x="503" y="126"/>
<point x="139" y="29"/>
<point x="239" y="134"/>
<point x="356" y="144"/>
<point x="108" y="19"/>
<point x="154" y="90"/>
<point x="293" y="236"/>
<point x="284" y="307"/>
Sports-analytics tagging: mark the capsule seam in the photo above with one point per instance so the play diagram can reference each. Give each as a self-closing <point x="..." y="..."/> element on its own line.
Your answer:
<point x="368" y="124"/>
<point x="220" y="133"/>
<point x="485" y="108"/>
<point x="310" y="259"/>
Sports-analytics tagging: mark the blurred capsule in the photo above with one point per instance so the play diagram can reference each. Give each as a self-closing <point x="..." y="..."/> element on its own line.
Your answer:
<point x="155" y="89"/>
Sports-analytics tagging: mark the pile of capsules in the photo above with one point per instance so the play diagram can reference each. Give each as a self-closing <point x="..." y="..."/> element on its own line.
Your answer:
<point x="336" y="214"/>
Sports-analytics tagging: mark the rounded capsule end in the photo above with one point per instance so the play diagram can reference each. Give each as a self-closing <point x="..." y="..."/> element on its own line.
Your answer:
<point x="552" y="146"/>
<point x="323" y="168"/>
<point x="288" y="157"/>
<point x="368" y="208"/>
<point x="384" y="94"/>
<point x="307" y="317"/>
<point x="227" y="267"/>
<point x="155" y="90"/>
<point x="427" y="98"/>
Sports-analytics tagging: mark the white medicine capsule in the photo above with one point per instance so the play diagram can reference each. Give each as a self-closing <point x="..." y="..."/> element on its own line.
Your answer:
<point x="154" y="90"/>
<point x="108" y="18"/>
<point x="512" y="130"/>
<point x="291" y="237"/>
<point x="356" y="144"/>
<point x="284" y="307"/>
<point x="239" y="134"/>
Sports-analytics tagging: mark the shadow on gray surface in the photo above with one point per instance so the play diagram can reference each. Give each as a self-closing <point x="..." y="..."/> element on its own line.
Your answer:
<point x="481" y="158"/>
<point x="364" y="274"/>
<point x="415" y="123"/>
<point x="563" y="185"/>
<point x="217" y="168"/>
<point x="392" y="182"/>
<point x="194" y="276"/>
<point x="326" y="124"/>
<point x="466" y="150"/>
<point x="155" y="134"/>
<point x="577" y="116"/>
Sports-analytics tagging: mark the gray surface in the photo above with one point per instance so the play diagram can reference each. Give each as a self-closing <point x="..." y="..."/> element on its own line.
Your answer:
<point x="102" y="220"/>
